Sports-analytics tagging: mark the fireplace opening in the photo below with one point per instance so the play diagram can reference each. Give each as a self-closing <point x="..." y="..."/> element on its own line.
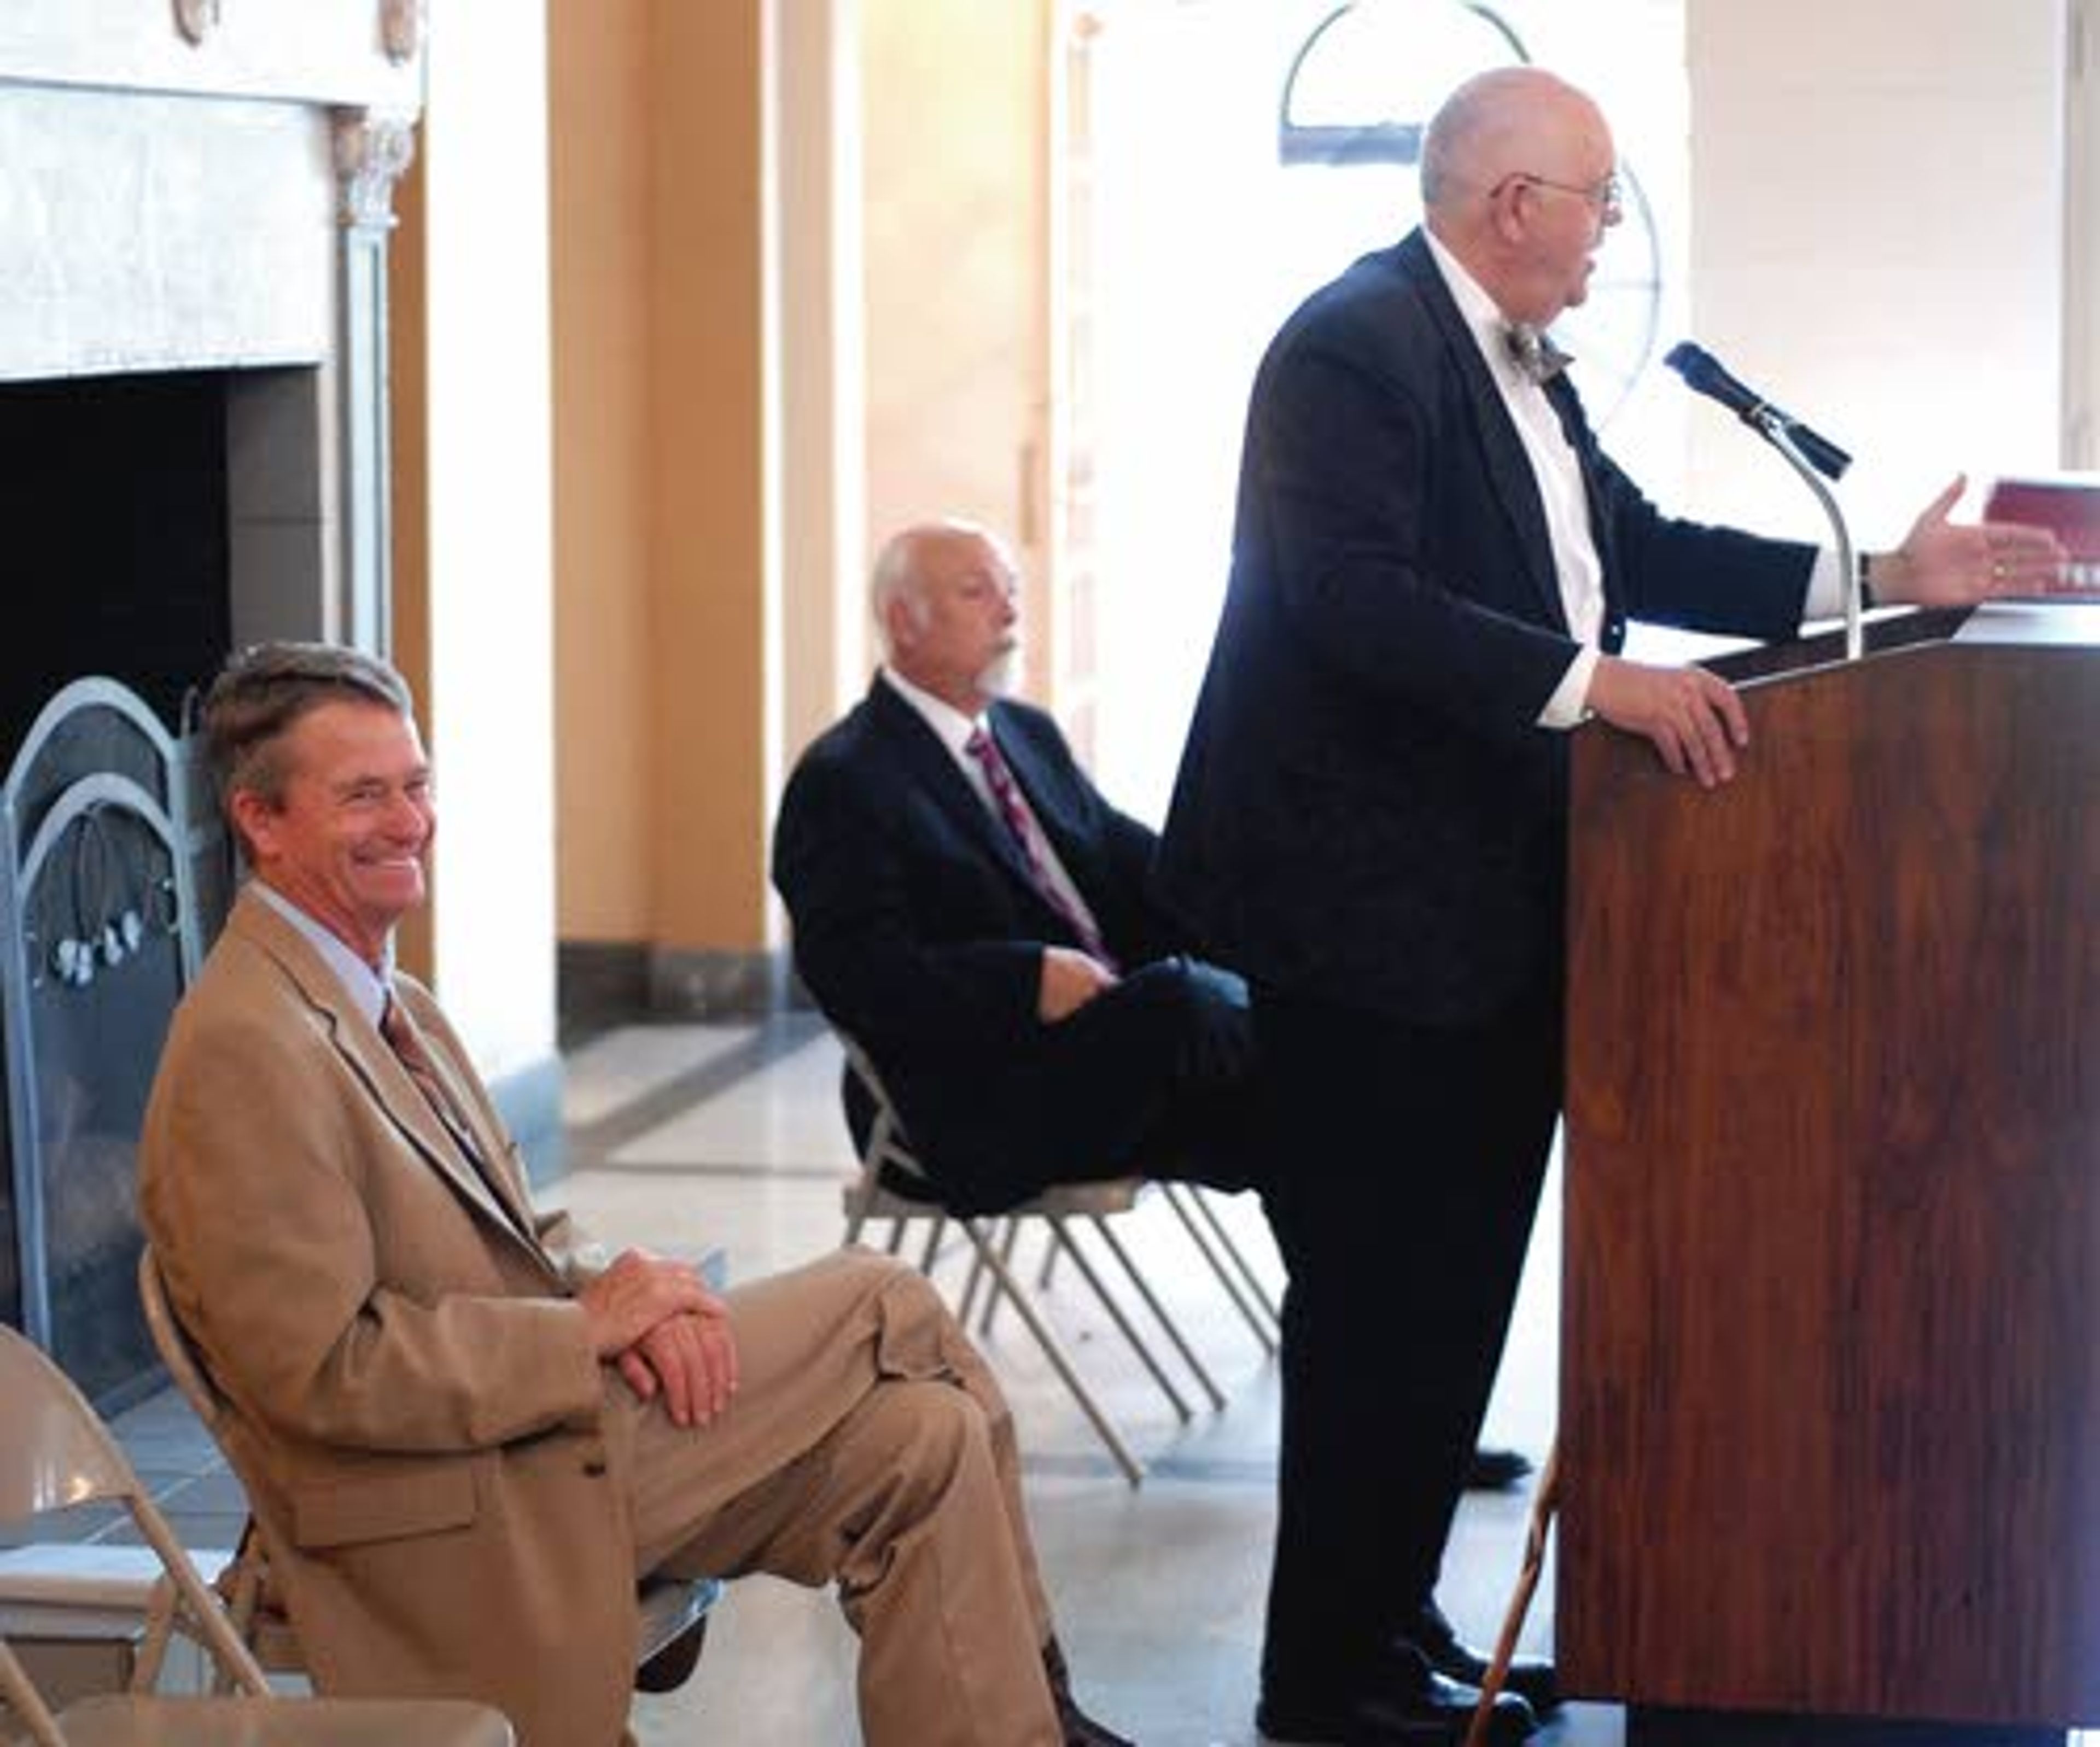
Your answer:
<point x="113" y="495"/>
<point x="128" y="503"/>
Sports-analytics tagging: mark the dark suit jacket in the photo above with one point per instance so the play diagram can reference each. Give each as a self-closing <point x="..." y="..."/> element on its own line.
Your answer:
<point x="920" y="932"/>
<point x="1367" y="813"/>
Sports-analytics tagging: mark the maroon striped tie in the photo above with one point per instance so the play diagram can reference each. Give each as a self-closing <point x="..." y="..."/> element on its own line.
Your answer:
<point x="1007" y="793"/>
<point x="406" y="1040"/>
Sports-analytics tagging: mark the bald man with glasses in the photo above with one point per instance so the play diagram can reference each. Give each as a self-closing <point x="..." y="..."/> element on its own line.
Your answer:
<point x="1433" y="570"/>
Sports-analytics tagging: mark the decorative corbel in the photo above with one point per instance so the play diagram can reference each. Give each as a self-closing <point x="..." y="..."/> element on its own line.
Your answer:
<point x="401" y="29"/>
<point x="373" y="147"/>
<point x="196" y="19"/>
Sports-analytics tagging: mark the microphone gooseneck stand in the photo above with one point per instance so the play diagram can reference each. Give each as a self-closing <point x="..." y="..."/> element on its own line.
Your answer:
<point x="1774" y="427"/>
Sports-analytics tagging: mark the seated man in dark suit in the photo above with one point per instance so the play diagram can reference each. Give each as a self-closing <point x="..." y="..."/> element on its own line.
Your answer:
<point x="984" y="924"/>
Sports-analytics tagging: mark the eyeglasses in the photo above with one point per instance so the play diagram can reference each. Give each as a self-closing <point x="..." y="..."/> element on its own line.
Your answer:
<point x="1604" y="196"/>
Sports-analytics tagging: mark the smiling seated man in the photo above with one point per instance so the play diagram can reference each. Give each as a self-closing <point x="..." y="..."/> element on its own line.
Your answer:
<point x="464" y="1440"/>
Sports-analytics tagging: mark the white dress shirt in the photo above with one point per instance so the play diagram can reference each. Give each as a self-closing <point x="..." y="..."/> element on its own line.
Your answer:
<point x="954" y="729"/>
<point x="369" y="990"/>
<point x="1558" y="475"/>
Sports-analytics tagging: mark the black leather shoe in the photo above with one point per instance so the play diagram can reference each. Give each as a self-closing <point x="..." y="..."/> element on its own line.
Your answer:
<point x="1416" y="1709"/>
<point x="674" y="1664"/>
<point x="1080" y="1729"/>
<point x="1453" y="1657"/>
<point x="1497" y="1471"/>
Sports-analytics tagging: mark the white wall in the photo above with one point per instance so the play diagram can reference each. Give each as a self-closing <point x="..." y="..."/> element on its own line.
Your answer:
<point x="489" y="713"/>
<point x="1877" y="244"/>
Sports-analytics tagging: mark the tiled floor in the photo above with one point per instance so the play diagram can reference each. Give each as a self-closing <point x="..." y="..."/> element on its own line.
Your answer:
<point x="690" y="1136"/>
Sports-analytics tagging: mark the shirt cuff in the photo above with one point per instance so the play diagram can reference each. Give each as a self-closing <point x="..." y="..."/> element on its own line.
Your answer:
<point x="1569" y="707"/>
<point x="1826" y="587"/>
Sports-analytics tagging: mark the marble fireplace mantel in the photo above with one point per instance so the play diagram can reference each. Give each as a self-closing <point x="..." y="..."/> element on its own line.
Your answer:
<point x="207" y="185"/>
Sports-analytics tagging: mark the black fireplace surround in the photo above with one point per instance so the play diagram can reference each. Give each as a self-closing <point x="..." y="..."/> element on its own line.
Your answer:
<point x="113" y="869"/>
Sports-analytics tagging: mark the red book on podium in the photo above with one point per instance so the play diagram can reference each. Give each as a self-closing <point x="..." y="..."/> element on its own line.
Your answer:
<point x="2067" y="504"/>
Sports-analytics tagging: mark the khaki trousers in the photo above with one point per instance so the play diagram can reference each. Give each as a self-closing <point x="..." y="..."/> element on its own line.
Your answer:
<point x="867" y="1445"/>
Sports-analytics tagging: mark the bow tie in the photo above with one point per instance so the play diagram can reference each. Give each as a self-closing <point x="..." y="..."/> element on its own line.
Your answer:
<point x="1536" y="354"/>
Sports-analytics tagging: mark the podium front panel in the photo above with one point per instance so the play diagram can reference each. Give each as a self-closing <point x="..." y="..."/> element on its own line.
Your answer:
<point x="1830" y="1422"/>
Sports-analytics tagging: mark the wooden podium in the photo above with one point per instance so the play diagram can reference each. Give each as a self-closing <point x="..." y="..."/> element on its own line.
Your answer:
<point x="1830" y="1374"/>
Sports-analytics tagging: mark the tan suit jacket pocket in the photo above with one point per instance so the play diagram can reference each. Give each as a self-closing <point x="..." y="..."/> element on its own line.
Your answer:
<point x="384" y="1507"/>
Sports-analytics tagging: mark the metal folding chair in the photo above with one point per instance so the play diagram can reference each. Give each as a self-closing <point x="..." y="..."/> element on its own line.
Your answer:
<point x="893" y="1185"/>
<point x="56" y="1454"/>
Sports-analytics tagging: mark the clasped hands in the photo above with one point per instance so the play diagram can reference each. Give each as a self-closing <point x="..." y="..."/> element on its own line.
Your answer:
<point x="1694" y="718"/>
<point x="1069" y="979"/>
<point x="657" y="1321"/>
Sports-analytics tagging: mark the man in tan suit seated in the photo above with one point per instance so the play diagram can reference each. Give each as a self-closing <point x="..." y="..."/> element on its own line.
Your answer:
<point x="464" y="1443"/>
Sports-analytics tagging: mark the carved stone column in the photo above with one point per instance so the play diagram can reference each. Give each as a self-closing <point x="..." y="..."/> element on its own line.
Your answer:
<point x="372" y="148"/>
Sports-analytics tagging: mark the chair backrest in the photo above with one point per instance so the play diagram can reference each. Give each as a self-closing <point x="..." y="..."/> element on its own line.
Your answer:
<point x="256" y="1612"/>
<point x="55" y="1454"/>
<point x="886" y="1145"/>
<point x="173" y="1343"/>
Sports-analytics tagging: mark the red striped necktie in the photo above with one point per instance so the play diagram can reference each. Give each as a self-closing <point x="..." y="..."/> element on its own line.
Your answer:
<point x="406" y="1040"/>
<point x="1006" y="793"/>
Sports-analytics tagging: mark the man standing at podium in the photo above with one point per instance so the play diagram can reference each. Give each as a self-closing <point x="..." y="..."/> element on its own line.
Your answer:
<point x="1433" y="569"/>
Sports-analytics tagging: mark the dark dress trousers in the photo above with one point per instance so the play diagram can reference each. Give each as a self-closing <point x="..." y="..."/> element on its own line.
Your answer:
<point x="1370" y="825"/>
<point x="919" y="932"/>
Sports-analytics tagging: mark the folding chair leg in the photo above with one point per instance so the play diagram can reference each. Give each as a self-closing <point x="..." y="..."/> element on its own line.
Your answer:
<point x="1207" y="1205"/>
<point x="1007" y="1244"/>
<point x="1542" y="1509"/>
<point x="1120" y="1317"/>
<point x="1261" y="1317"/>
<point x="161" y="1607"/>
<point x="1172" y="1329"/>
<point x="1053" y="1350"/>
<point x="1046" y="1275"/>
<point x="1001" y="1235"/>
<point x="930" y="1255"/>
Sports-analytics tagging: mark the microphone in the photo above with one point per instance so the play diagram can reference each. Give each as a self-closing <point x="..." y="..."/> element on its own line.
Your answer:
<point x="1704" y="374"/>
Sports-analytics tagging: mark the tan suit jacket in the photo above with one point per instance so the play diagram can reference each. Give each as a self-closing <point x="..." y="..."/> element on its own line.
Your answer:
<point x="418" y="1415"/>
<point x="456" y="1496"/>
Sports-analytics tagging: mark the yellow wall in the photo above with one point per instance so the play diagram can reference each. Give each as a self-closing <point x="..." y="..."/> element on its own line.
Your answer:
<point x="954" y="106"/>
<point x="661" y="553"/>
<point x="707" y="480"/>
<point x="716" y="476"/>
<point x="598" y="184"/>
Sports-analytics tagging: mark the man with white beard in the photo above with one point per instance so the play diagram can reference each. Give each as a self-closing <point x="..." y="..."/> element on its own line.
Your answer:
<point x="970" y="910"/>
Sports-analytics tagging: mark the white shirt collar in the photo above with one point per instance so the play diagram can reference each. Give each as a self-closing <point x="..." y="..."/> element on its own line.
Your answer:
<point x="367" y="988"/>
<point x="950" y="723"/>
<point x="1484" y="321"/>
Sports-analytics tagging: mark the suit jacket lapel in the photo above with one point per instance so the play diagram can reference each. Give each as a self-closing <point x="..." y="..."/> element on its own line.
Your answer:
<point x="934" y="770"/>
<point x="1567" y="406"/>
<point x="1502" y="450"/>
<point x="396" y="1096"/>
<point x="488" y="1144"/>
